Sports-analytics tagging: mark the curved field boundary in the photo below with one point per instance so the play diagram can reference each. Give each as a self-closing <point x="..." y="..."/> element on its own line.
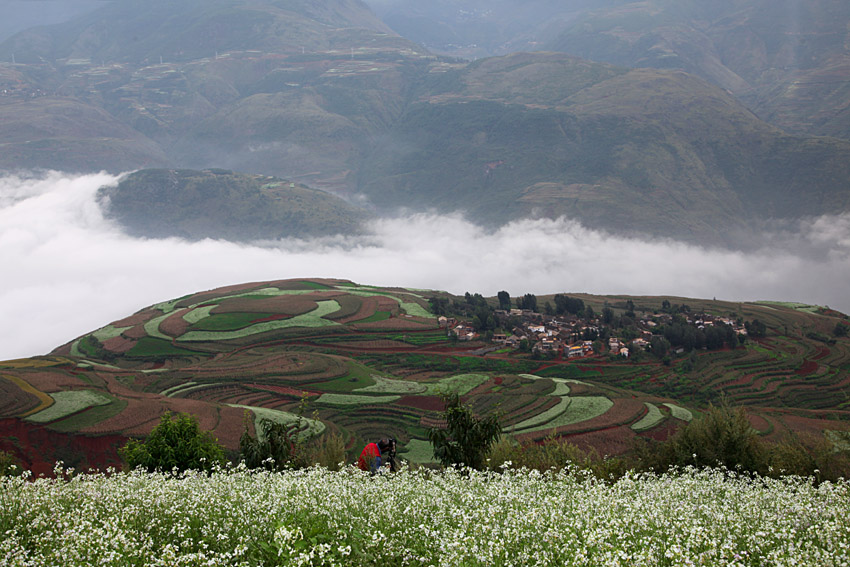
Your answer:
<point x="109" y="332"/>
<point x="460" y="384"/>
<point x="544" y="417"/>
<point x="174" y="389"/>
<point x="652" y="418"/>
<point x="388" y="386"/>
<point x="312" y="427"/>
<point x="409" y="307"/>
<point x="46" y="401"/>
<point x="679" y="412"/>
<point x="195" y="315"/>
<point x="185" y="389"/>
<point x="580" y="409"/>
<point x="554" y="379"/>
<point x="70" y="402"/>
<point x="152" y="327"/>
<point x="313" y="319"/>
<point x="353" y="400"/>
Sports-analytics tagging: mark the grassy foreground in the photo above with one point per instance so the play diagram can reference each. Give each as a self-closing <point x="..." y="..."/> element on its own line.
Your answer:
<point x="316" y="517"/>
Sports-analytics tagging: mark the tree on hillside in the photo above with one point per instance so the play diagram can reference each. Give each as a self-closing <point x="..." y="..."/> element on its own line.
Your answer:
<point x="466" y="439"/>
<point x="527" y="301"/>
<point x="174" y="445"/>
<point x="504" y="300"/>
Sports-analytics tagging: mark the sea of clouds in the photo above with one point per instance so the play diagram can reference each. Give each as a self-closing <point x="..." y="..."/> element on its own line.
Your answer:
<point x="66" y="270"/>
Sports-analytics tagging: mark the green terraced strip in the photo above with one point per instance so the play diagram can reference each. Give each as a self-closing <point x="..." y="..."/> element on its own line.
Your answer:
<point x="312" y="427"/>
<point x="174" y="389"/>
<point x="460" y="384"/>
<point x="69" y="402"/>
<point x="313" y="319"/>
<point x="353" y="400"/>
<point x="152" y="327"/>
<point x="195" y="315"/>
<point x="185" y="388"/>
<point x="387" y="386"/>
<point x="544" y="417"/>
<point x="650" y="420"/>
<point x="109" y="332"/>
<point x="680" y="412"/>
<point x="553" y="379"/>
<point x="580" y="409"/>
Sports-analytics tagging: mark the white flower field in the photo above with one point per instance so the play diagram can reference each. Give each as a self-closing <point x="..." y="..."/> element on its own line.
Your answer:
<point x="316" y="517"/>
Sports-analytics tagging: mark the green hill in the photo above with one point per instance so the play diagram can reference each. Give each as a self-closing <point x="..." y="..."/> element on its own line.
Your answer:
<point x="371" y="361"/>
<point x="160" y="203"/>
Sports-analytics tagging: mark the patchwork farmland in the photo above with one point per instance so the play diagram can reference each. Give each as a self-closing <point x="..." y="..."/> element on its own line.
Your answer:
<point x="368" y="361"/>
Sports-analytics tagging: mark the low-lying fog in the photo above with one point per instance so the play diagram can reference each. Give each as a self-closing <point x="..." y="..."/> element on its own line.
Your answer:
<point x="67" y="270"/>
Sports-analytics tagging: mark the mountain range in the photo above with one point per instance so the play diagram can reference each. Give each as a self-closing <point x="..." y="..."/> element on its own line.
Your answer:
<point x="326" y="95"/>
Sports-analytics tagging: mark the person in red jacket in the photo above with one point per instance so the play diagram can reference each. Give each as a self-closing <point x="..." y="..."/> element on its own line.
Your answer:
<point x="376" y="454"/>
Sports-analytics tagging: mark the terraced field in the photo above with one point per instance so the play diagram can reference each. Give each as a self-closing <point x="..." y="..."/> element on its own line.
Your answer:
<point x="369" y="362"/>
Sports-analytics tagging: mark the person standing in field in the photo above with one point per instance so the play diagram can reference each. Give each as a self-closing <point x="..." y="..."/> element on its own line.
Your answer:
<point x="374" y="455"/>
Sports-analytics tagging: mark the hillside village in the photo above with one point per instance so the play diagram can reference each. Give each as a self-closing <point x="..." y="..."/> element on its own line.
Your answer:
<point x="576" y="335"/>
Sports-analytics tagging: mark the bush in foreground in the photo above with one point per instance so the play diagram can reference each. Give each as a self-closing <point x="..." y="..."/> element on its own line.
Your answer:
<point x="176" y="444"/>
<point x="316" y="517"/>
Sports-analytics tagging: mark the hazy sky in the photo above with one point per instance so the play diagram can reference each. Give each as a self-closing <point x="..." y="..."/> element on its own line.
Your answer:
<point x="68" y="271"/>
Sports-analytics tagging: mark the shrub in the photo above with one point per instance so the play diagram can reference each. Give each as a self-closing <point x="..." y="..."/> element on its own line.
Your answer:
<point x="174" y="445"/>
<point x="467" y="439"/>
<point x="723" y="436"/>
<point x="283" y="446"/>
<point x="9" y="465"/>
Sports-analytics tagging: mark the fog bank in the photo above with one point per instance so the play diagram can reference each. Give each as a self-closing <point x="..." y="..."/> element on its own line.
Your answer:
<point x="68" y="271"/>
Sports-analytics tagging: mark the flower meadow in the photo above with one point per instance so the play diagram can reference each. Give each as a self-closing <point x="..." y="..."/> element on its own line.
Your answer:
<point x="418" y="517"/>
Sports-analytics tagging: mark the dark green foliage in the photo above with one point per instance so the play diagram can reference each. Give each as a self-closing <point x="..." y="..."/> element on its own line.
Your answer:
<point x="504" y="300"/>
<point x="466" y="439"/>
<point x="755" y="328"/>
<point x="723" y="436"/>
<point x="567" y="304"/>
<point x="9" y="465"/>
<point x="274" y="449"/>
<point x="176" y="444"/>
<point x="527" y="301"/>
<point x="841" y="329"/>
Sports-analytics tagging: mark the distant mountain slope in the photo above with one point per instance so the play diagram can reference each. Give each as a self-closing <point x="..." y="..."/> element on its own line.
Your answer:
<point x="787" y="60"/>
<point x="184" y="30"/>
<point x="321" y="94"/>
<point x="643" y="150"/>
<point x="221" y="204"/>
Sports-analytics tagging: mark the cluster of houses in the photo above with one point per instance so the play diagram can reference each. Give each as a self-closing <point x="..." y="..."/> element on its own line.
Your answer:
<point x="567" y="335"/>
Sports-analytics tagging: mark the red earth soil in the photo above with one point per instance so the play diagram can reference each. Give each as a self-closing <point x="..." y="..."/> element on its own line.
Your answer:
<point x="823" y="352"/>
<point x="368" y="306"/>
<point x="283" y="304"/>
<point x="427" y="403"/>
<point x="53" y="381"/>
<point x="758" y="422"/>
<point x="808" y="367"/>
<point x="119" y="344"/>
<point x="175" y="325"/>
<point x="133" y="320"/>
<point x="38" y="448"/>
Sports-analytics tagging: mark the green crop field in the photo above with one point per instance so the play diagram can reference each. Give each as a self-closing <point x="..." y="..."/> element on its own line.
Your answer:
<point x="69" y="402"/>
<point x="652" y="418"/>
